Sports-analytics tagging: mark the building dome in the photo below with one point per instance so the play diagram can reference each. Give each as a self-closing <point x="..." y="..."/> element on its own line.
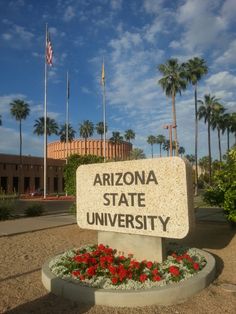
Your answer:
<point x="59" y="150"/>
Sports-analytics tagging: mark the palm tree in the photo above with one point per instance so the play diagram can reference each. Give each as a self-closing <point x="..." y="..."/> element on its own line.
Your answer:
<point x="62" y="133"/>
<point x="173" y="82"/>
<point x="205" y="112"/>
<point x="229" y="125"/>
<point x="100" y="131"/>
<point x="217" y="123"/>
<point x="160" y="140"/>
<point x="116" y="139"/>
<point x="19" y="110"/>
<point x="129" y="135"/>
<point x="86" y="130"/>
<point x="166" y="147"/>
<point x="191" y="158"/>
<point x="181" y="150"/>
<point x="195" y="68"/>
<point x="137" y="153"/>
<point x="52" y="127"/>
<point x="151" y="140"/>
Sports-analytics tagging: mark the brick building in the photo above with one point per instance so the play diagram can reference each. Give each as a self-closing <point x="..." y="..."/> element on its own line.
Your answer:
<point x="120" y="151"/>
<point x="25" y="177"/>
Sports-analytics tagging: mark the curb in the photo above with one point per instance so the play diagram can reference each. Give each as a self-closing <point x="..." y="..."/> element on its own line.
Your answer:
<point x="166" y="295"/>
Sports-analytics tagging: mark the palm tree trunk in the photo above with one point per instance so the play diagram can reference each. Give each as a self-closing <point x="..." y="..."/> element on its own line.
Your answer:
<point x="85" y="146"/>
<point x="196" y="144"/>
<point x="101" y="152"/>
<point x="20" y="144"/>
<point x="219" y="143"/>
<point x="209" y="149"/>
<point x="152" y="150"/>
<point x="228" y="139"/>
<point x="174" y="124"/>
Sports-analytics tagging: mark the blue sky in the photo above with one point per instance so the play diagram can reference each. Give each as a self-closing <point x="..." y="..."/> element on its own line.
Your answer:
<point x="134" y="37"/>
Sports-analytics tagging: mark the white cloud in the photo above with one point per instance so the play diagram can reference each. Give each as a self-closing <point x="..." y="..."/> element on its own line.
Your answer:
<point x="153" y="6"/>
<point x="18" y="37"/>
<point x="116" y="4"/>
<point x="202" y="27"/>
<point x="229" y="56"/>
<point x="222" y="80"/>
<point x="69" y="14"/>
<point x="7" y="99"/>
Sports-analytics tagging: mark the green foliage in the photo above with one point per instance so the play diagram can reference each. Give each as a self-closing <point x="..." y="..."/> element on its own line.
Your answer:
<point x="74" y="161"/>
<point x="72" y="209"/>
<point x="6" y="208"/>
<point x="34" y="210"/>
<point x="223" y="191"/>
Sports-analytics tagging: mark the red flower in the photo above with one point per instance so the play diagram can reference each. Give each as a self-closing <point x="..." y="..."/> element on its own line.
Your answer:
<point x="75" y="273"/>
<point x="149" y="264"/>
<point x="114" y="280"/>
<point x="81" y="277"/>
<point x="156" y="278"/>
<point x="112" y="269"/>
<point x="196" y="266"/>
<point x="91" y="271"/>
<point x="155" y="272"/>
<point x="174" y="270"/>
<point x="101" y="247"/>
<point x="143" y="277"/>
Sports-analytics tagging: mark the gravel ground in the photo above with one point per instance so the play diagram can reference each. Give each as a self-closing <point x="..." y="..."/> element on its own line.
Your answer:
<point x="22" y="256"/>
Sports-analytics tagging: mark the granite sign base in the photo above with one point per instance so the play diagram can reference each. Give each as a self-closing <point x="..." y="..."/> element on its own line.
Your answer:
<point x="165" y="295"/>
<point x="140" y="246"/>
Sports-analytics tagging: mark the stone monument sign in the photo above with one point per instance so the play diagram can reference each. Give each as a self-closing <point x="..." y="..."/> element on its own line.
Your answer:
<point x="151" y="197"/>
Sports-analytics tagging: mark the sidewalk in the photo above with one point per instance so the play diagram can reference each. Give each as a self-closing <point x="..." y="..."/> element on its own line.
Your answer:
<point x="22" y="225"/>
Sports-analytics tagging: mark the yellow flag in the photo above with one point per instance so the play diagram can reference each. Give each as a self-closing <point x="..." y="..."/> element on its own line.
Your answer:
<point x="103" y="74"/>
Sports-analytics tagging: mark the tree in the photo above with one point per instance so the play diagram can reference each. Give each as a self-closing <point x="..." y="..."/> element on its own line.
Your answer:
<point x="137" y="153"/>
<point x="52" y="126"/>
<point x="205" y="112"/>
<point x="116" y="139"/>
<point x="20" y="111"/>
<point x="229" y="125"/>
<point x="217" y="123"/>
<point x="173" y="82"/>
<point x="86" y="130"/>
<point x="194" y="70"/>
<point x="129" y="135"/>
<point x="74" y="161"/>
<point x="151" y="140"/>
<point x="191" y="158"/>
<point x="62" y="133"/>
<point x="181" y="150"/>
<point x="160" y="140"/>
<point x="166" y="147"/>
<point x="100" y="131"/>
<point x="223" y="191"/>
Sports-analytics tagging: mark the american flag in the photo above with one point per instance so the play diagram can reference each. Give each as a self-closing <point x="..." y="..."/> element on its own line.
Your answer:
<point x="49" y="51"/>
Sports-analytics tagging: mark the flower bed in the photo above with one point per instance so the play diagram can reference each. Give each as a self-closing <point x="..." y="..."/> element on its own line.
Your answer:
<point x="100" y="266"/>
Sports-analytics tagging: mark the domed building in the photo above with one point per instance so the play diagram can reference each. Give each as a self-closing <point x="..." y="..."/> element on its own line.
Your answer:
<point x="59" y="150"/>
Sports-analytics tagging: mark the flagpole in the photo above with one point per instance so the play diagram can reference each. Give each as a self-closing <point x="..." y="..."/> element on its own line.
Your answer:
<point x="45" y="122"/>
<point x="67" y="116"/>
<point x="104" y="110"/>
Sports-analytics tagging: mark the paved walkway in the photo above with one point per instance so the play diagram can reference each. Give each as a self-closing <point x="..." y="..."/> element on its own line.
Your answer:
<point x="22" y="225"/>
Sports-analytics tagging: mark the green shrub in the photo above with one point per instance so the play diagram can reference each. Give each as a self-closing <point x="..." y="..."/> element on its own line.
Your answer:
<point x="223" y="190"/>
<point x="74" y="161"/>
<point x="34" y="210"/>
<point x="72" y="209"/>
<point x="7" y="206"/>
